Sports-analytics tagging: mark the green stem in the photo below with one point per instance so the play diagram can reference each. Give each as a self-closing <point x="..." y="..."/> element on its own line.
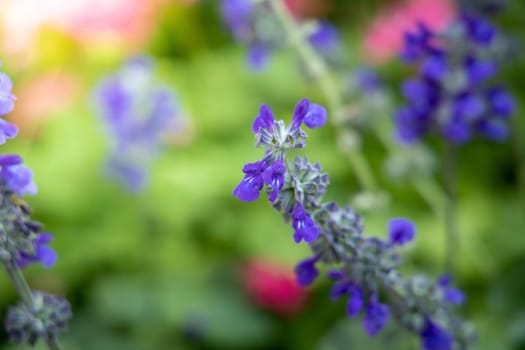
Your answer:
<point x="53" y="344"/>
<point x="318" y="69"/>
<point x="451" y="225"/>
<point x="20" y="284"/>
<point x="24" y="293"/>
<point x="427" y="187"/>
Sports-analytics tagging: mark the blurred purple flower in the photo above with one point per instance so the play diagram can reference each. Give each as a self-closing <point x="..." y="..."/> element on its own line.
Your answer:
<point x="42" y="253"/>
<point x="7" y="99"/>
<point x="401" y="231"/>
<point x="138" y="111"/>
<point x="306" y="272"/>
<point x="453" y="94"/>
<point x="376" y="317"/>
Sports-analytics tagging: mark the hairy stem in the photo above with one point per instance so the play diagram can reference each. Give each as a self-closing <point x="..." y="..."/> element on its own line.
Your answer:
<point x="318" y="69"/>
<point x="20" y="284"/>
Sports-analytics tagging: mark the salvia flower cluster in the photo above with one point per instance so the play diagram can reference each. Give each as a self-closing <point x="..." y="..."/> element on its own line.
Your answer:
<point x="365" y="270"/>
<point x="22" y="242"/>
<point x="252" y="24"/>
<point x="138" y="112"/>
<point x="453" y="95"/>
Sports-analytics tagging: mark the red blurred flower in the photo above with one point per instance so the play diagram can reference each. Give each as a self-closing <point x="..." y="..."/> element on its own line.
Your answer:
<point x="383" y="38"/>
<point x="273" y="286"/>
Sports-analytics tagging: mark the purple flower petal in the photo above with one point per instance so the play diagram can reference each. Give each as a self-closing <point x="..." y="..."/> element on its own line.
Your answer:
<point x="401" y="231"/>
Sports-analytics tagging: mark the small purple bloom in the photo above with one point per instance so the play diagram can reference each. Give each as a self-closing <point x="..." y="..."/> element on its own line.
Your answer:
<point x="479" y="30"/>
<point x="494" y="130"/>
<point x="264" y="119"/>
<point x="479" y="71"/>
<point x="435" y="67"/>
<point x="401" y="231"/>
<point x="7" y="99"/>
<point x="450" y="294"/>
<point x="306" y="272"/>
<point x="325" y="38"/>
<point x="274" y="176"/>
<point x="434" y="337"/>
<point x="501" y="102"/>
<point x="305" y="228"/>
<point x="377" y="316"/>
<point x="7" y="160"/>
<point x="339" y="289"/>
<point x="469" y="107"/>
<point x="258" y="57"/>
<point x="457" y="132"/>
<point x="43" y="253"/>
<point x="416" y="43"/>
<point x="7" y="131"/>
<point x="315" y="116"/>
<point x="299" y="113"/>
<point x="355" y="301"/>
<point x="367" y="79"/>
<point x="237" y="15"/>
<point x="133" y="176"/>
<point x="249" y="188"/>
<point x="19" y="178"/>
<point x="335" y="275"/>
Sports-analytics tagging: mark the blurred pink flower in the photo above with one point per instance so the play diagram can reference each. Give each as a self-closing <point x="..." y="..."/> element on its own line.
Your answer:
<point x="124" y="20"/>
<point x="273" y="286"/>
<point x="41" y="97"/>
<point x="383" y="38"/>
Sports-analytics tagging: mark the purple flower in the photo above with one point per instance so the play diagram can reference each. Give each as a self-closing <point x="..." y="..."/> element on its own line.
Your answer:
<point x="355" y="301"/>
<point x="7" y="160"/>
<point x="249" y="188"/>
<point x="306" y="272"/>
<point x="300" y="111"/>
<point x="469" y="107"/>
<point x="479" y="30"/>
<point x="367" y="79"/>
<point x="457" y="132"/>
<point x="7" y="99"/>
<point x="237" y="15"/>
<point x="479" y="71"/>
<point x="138" y="112"/>
<point x="258" y="57"/>
<point x="494" y="130"/>
<point x="17" y="176"/>
<point x="501" y="103"/>
<point x="305" y="228"/>
<point x="325" y="38"/>
<point x="264" y="119"/>
<point x="450" y="294"/>
<point x="435" y="67"/>
<point x="417" y="43"/>
<point x="42" y="254"/>
<point x="133" y="176"/>
<point x="315" y="116"/>
<point x="434" y="337"/>
<point x="7" y="131"/>
<point x="376" y="317"/>
<point x="401" y="231"/>
<point x="339" y="289"/>
<point x="458" y="104"/>
<point x="274" y="176"/>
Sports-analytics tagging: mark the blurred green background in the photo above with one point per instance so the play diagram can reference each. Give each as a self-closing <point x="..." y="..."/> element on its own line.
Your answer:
<point x="162" y="269"/>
